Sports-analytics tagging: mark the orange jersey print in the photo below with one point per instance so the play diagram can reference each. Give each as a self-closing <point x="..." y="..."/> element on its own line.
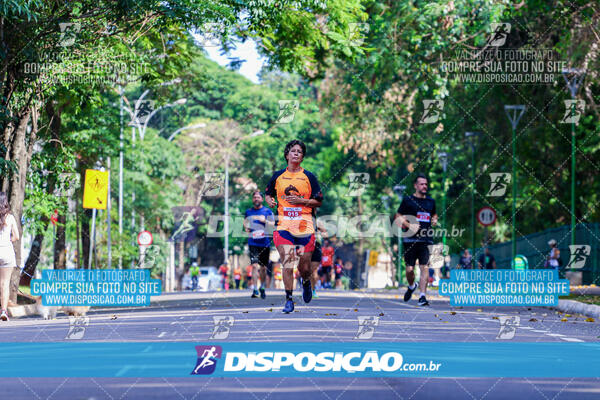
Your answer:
<point x="294" y="218"/>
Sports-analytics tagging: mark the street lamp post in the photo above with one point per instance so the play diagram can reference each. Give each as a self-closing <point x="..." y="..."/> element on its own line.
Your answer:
<point x="443" y="156"/>
<point x="399" y="190"/>
<point x="517" y="112"/>
<point x="573" y="84"/>
<point x="472" y="136"/>
<point x="142" y="130"/>
<point x="196" y="126"/>
<point x="136" y="124"/>
<point x="120" y="177"/>
<point x="227" y="155"/>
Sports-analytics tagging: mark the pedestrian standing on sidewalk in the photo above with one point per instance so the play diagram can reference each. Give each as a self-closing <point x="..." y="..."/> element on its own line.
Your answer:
<point x="553" y="260"/>
<point x="9" y="233"/>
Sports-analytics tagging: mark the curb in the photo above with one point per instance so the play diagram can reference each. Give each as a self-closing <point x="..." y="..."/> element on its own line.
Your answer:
<point x="572" y="306"/>
<point x="26" y="310"/>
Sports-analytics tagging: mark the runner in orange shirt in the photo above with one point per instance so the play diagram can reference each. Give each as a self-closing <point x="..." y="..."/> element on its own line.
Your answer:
<point x="237" y="276"/>
<point x="296" y="193"/>
<point x="326" y="264"/>
<point x="249" y="272"/>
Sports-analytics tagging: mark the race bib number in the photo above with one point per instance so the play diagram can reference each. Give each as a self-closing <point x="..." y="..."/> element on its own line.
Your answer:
<point x="325" y="259"/>
<point x="423" y="216"/>
<point x="259" y="234"/>
<point x="292" y="213"/>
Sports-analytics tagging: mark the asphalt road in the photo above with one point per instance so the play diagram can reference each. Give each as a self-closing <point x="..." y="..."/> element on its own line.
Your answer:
<point x="333" y="317"/>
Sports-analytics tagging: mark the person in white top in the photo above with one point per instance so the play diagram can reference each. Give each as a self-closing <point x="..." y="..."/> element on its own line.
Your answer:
<point x="9" y="232"/>
<point x="554" y="256"/>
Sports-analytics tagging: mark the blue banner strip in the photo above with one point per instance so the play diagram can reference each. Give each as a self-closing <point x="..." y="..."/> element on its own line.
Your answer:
<point x="334" y="359"/>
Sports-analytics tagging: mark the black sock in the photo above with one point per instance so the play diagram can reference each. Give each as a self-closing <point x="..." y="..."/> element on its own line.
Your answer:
<point x="288" y="295"/>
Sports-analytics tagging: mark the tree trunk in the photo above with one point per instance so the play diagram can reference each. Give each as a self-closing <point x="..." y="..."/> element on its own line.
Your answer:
<point x="180" y="272"/>
<point x="34" y="255"/>
<point x="20" y="154"/>
<point x="54" y="116"/>
<point x="36" y="246"/>
<point x="60" y="250"/>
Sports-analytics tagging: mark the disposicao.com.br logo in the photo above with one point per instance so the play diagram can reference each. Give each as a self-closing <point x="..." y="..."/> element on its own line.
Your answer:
<point x="322" y="362"/>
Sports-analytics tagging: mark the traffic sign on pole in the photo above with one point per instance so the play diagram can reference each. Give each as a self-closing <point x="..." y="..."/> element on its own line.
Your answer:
<point x="486" y="216"/>
<point x="95" y="190"/>
<point x="144" y="238"/>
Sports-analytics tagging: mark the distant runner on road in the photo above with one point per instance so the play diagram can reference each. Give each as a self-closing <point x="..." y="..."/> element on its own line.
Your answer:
<point x="315" y="261"/>
<point x="327" y="264"/>
<point x="255" y="222"/>
<point x="296" y="193"/>
<point x="417" y="214"/>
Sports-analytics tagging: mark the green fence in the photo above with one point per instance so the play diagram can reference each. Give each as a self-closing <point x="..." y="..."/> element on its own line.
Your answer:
<point x="535" y="248"/>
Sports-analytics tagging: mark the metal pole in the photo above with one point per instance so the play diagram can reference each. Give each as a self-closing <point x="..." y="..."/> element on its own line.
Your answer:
<point x="400" y="268"/>
<point x="399" y="190"/>
<point x="444" y="166"/>
<point x="133" y="192"/>
<point x="514" y="195"/>
<point x="573" y="173"/>
<point x="93" y="241"/>
<point x="121" y="181"/>
<point x="53" y="243"/>
<point x="133" y="196"/>
<point x="399" y="272"/>
<point x="514" y="113"/>
<point x="172" y="272"/>
<point x="108" y="206"/>
<point x="473" y="198"/>
<point x="226" y="249"/>
<point x="574" y="78"/>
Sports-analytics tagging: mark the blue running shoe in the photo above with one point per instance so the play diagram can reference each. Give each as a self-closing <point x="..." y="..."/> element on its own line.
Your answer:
<point x="289" y="306"/>
<point x="306" y="291"/>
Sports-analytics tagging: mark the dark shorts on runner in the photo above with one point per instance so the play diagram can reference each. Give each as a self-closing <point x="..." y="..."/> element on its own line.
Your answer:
<point x="325" y="271"/>
<point x="285" y="237"/>
<point x="414" y="251"/>
<point x="259" y="255"/>
<point x="316" y="255"/>
<point x="338" y="275"/>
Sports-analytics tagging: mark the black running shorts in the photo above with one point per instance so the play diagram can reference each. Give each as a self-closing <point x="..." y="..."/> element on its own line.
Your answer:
<point x="316" y="255"/>
<point x="414" y="251"/>
<point x="259" y="255"/>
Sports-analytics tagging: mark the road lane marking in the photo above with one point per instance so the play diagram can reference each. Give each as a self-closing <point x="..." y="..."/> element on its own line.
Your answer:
<point x="568" y="339"/>
<point x="162" y="334"/>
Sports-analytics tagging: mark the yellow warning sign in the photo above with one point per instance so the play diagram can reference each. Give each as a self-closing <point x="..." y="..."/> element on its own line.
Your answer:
<point x="95" y="191"/>
<point x="373" y="256"/>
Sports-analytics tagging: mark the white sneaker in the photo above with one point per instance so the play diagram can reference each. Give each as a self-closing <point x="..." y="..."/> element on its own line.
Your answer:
<point x="4" y="316"/>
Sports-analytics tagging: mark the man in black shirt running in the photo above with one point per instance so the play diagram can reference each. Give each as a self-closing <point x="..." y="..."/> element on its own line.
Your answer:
<point x="417" y="215"/>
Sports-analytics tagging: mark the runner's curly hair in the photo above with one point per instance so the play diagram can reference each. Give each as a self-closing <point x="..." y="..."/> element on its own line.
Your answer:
<point x="291" y="144"/>
<point x="4" y="208"/>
